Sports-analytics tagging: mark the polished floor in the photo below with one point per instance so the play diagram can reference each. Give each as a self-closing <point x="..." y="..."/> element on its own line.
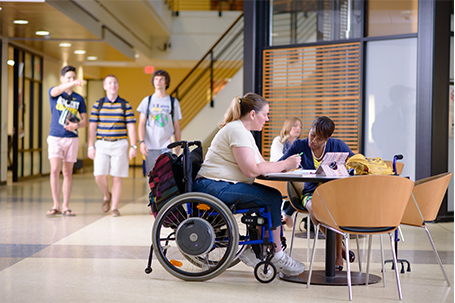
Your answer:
<point x="94" y="257"/>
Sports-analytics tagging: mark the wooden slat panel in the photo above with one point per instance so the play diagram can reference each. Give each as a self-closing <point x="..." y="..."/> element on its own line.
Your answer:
<point x="308" y="82"/>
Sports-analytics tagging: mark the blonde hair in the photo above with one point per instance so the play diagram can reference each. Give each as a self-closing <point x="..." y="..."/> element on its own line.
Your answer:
<point x="241" y="106"/>
<point x="286" y="129"/>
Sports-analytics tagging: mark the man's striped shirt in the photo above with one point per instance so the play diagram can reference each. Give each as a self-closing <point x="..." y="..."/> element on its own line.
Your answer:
<point x="112" y="119"/>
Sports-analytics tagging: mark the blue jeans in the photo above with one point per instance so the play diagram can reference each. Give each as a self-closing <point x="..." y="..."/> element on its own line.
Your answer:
<point x="246" y="195"/>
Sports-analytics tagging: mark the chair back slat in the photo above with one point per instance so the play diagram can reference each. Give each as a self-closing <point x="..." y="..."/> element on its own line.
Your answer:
<point x="362" y="201"/>
<point x="429" y="193"/>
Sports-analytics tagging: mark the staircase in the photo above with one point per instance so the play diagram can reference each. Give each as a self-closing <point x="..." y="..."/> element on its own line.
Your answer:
<point x="211" y="74"/>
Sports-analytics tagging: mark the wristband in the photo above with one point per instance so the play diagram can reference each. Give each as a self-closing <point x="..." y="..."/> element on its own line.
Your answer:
<point x="91" y="147"/>
<point x="140" y="142"/>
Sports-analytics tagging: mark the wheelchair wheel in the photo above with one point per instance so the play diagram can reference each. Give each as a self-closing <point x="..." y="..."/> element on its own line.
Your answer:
<point x="195" y="237"/>
<point x="265" y="273"/>
<point x="199" y="261"/>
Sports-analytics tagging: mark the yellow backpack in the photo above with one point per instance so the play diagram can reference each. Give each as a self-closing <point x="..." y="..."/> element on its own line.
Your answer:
<point x="368" y="166"/>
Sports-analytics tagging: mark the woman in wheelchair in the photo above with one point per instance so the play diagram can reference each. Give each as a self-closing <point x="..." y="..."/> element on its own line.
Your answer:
<point x="233" y="161"/>
<point x="318" y="143"/>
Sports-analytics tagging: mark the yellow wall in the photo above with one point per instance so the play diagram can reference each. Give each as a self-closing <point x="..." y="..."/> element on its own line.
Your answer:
<point x="134" y="84"/>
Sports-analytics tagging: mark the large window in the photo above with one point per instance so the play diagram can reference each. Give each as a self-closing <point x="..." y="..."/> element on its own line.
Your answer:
<point x="390" y="101"/>
<point x="297" y="22"/>
<point x="25" y="104"/>
<point x="392" y="17"/>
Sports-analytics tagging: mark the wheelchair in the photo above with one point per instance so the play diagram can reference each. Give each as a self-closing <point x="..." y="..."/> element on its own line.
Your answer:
<point x="196" y="236"/>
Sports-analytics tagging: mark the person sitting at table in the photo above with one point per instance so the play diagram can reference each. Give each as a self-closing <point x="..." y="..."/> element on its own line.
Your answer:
<point x="292" y="127"/>
<point x="318" y="143"/>
<point x="231" y="164"/>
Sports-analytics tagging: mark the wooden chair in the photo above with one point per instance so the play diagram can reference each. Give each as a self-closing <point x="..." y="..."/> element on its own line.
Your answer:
<point x="368" y="205"/>
<point x="424" y="204"/>
<point x="398" y="165"/>
<point x="280" y="185"/>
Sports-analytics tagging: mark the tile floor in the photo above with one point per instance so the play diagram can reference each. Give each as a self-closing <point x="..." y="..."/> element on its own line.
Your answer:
<point x="94" y="257"/>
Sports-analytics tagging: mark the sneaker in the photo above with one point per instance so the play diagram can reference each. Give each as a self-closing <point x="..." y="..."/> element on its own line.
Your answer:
<point x="288" y="266"/>
<point x="249" y="257"/>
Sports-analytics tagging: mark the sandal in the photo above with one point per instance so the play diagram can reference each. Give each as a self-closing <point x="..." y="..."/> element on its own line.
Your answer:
<point x="338" y="268"/>
<point x="351" y="255"/>
<point x="115" y="213"/>
<point x="69" y="213"/>
<point x="53" y="212"/>
<point x="106" y="204"/>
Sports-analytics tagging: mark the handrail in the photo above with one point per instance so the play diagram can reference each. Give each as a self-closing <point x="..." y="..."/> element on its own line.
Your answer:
<point x="209" y="76"/>
<point x="209" y="5"/>
<point x="208" y="52"/>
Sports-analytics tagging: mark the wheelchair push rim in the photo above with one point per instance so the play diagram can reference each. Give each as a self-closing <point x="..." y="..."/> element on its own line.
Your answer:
<point x="195" y="237"/>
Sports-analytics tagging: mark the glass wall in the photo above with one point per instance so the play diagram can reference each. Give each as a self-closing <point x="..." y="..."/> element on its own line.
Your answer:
<point x="391" y="17"/>
<point x="297" y="22"/>
<point x="25" y="102"/>
<point x="390" y="101"/>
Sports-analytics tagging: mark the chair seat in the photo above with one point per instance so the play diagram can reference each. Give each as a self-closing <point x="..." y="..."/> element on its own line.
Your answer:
<point x="367" y="230"/>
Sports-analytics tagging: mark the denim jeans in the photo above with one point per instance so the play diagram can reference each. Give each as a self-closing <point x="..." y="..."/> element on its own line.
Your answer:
<point x="248" y="195"/>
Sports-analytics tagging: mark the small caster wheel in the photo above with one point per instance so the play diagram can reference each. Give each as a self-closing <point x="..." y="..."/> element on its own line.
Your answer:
<point x="265" y="272"/>
<point x="148" y="270"/>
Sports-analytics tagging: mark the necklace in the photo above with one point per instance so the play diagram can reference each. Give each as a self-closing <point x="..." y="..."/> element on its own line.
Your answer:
<point x="322" y="155"/>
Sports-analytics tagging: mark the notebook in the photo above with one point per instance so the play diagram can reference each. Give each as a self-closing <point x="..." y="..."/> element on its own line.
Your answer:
<point x="67" y="115"/>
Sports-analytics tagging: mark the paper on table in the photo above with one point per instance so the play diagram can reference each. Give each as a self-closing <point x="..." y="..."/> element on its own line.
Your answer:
<point x="296" y="172"/>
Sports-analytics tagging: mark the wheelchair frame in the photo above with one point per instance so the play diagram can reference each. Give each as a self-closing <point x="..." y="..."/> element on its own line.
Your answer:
<point x="196" y="236"/>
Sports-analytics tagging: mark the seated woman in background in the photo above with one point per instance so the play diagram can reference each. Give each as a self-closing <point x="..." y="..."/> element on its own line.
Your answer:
<point x="231" y="164"/>
<point x="314" y="147"/>
<point x="290" y="131"/>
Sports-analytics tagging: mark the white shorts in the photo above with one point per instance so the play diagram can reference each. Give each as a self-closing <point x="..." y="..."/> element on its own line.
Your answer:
<point x="111" y="158"/>
<point x="63" y="147"/>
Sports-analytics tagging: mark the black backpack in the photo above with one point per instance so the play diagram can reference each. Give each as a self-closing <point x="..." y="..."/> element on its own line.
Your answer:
<point x="168" y="180"/>
<point x="101" y="102"/>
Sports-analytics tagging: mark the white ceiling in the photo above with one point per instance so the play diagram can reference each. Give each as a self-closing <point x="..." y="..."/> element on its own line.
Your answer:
<point x="117" y="32"/>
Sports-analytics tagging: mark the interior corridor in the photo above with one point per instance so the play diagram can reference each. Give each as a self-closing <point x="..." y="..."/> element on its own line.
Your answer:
<point x="94" y="257"/>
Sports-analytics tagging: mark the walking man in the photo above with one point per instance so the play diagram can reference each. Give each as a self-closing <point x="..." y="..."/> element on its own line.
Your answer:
<point x="159" y="116"/>
<point x="111" y="123"/>
<point x="63" y="140"/>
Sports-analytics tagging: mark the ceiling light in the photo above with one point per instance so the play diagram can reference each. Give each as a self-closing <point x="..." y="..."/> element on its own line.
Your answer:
<point x="136" y="55"/>
<point x="42" y="33"/>
<point x="79" y="52"/>
<point x="10" y="62"/>
<point x="20" y="21"/>
<point x="64" y="44"/>
<point x="92" y="58"/>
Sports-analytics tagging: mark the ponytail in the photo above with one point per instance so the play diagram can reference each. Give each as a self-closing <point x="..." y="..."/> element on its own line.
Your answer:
<point x="241" y="106"/>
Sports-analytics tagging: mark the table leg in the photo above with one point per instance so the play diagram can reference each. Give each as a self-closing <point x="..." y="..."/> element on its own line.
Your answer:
<point x="330" y="253"/>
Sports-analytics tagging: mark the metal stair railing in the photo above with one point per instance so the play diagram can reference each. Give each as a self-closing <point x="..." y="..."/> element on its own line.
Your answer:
<point x="211" y="73"/>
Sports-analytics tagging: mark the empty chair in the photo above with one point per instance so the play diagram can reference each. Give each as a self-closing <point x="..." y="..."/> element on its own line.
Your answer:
<point x="369" y="205"/>
<point x="424" y="204"/>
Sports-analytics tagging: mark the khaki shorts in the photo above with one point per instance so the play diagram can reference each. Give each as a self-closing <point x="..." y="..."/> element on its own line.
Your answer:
<point x="111" y="158"/>
<point x="63" y="147"/>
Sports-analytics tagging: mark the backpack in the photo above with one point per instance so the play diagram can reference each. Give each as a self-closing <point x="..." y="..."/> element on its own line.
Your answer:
<point x="171" y="112"/>
<point x="166" y="180"/>
<point x="101" y="102"/>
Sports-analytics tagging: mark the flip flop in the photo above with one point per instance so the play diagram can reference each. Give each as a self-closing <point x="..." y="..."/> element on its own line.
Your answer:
<point x="338" y="268"/>
<point x="106" y="204"/>
<point x="69" y="213"/>
<point x="53" y="212"/>
<point x="351" y="256"/>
